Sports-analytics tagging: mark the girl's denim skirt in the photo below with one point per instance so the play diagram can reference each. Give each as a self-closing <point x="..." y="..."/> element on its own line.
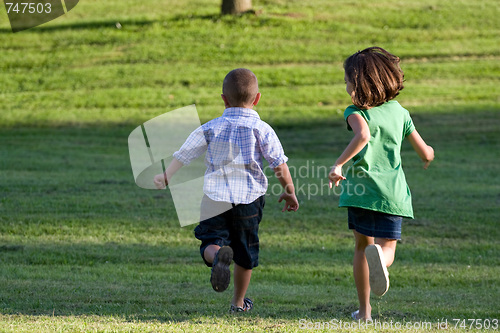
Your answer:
<point x="374" y="224"/>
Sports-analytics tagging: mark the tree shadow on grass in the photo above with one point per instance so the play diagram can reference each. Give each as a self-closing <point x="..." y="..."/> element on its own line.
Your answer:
<point x="102" y="24"/>
<point x="169" y="283"/>
<point x="144" y="282"/>
<point x="87" y="25"/>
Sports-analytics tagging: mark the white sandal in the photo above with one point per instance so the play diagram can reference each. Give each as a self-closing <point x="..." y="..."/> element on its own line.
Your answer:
<point x="379" y="276"/>
<point x="355" y="316"/>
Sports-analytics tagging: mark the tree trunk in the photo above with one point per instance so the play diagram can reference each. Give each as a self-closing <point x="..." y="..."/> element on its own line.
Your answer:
<point x="236" y="6"/>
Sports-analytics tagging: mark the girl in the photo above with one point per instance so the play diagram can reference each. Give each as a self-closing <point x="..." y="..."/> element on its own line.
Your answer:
<point x="374" y="188"/>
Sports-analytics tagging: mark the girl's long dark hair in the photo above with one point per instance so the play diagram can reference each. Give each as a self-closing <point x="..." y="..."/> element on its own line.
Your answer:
<point x="375" y="75"/>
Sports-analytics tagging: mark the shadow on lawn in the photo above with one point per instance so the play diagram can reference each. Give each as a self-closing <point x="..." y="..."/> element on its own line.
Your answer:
<point x="170" y="283"/>
<point x="126" y="23"/>
<point x="87" y="25"/>
<point x="144" y="282"/>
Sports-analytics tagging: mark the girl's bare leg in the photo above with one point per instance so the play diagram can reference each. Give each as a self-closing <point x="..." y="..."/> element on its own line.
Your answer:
<point x="361" y="275"/>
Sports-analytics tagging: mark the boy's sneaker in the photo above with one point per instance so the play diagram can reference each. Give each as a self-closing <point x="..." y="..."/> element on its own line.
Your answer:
<point x="379" y="277"/>
<point x="247" y="306"/>
<point x="221" y="275"/>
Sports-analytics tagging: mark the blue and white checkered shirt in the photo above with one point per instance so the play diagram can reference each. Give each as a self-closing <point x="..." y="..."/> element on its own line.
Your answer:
<point x="235" y="144"/>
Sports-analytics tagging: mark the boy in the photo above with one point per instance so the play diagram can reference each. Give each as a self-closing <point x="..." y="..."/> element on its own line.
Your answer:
<point x="234" y="183"/>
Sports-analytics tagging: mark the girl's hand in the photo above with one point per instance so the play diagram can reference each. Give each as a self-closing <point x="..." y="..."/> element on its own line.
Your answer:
<point x="335" y="175"/>
<point x="427" y="162"/>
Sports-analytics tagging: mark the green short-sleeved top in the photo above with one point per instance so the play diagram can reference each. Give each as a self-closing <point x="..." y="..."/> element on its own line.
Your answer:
<point x="376" y="180"/>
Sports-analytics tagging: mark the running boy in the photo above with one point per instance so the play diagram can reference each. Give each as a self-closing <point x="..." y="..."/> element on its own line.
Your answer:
<point x="373" y="78"/>
<point x="234" y="183"/>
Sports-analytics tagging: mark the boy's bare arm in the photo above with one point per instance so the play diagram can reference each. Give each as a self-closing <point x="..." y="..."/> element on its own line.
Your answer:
<point x="424" y="151"/>
<point x="285" y="178"/>
<point x="163" y="179"/>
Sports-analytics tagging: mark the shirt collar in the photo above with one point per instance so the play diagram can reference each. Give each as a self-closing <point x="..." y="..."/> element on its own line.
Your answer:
<point x="240" y="112"/>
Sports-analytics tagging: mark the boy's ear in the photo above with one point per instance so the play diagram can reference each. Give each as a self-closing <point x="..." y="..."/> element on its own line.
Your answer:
<point x="257" y="99"/>
<point x="226" y="103"/>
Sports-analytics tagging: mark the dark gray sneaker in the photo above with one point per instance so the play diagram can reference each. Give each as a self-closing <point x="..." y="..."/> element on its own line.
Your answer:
<point x="221" y="275"/>
<point x="247" y="306"/>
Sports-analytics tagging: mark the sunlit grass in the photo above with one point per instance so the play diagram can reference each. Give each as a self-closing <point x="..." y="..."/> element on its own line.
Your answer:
<point x="82" y="248"/>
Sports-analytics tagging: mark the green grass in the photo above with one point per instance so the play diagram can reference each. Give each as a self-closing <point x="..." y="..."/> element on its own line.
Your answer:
<point x="82" y="248"/>
<point x="81" y="69"/>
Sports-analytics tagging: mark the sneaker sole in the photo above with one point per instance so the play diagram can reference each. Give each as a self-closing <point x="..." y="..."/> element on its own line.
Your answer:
<point x="379" y="276"/>
<point x="221" y="275"/>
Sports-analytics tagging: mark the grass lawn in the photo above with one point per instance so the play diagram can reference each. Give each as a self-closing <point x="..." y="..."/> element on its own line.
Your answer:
<point x="82" y="248"/>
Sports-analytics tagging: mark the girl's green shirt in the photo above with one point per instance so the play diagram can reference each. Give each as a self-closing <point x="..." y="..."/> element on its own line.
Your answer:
<point x="376" y="180"/>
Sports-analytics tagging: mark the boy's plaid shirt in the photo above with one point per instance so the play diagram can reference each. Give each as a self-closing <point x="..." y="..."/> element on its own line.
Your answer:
<point x="235" y="144"/>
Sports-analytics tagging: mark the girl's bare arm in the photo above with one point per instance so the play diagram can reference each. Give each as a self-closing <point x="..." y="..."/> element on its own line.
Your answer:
<point x="424" y="151"/>
<point x="358" y="142"/>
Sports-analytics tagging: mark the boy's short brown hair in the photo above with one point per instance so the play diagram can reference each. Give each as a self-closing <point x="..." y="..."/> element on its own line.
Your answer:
<point x="375" y="75"/>
<point x="240" y="87"/>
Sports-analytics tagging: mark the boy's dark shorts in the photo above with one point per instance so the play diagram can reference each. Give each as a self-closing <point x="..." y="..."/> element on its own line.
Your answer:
<point x="237" y="227"/>
<point x="374" y="224"/>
